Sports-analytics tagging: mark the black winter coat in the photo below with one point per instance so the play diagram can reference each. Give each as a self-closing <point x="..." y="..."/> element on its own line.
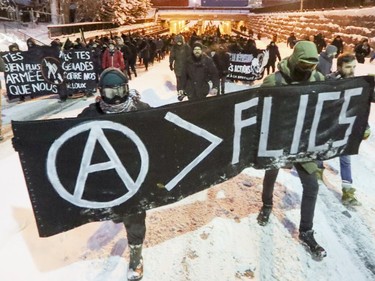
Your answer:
<point x="196" y="75"/>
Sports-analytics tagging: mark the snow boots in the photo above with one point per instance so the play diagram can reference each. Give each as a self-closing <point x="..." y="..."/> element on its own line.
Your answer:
<point x="135" y="271"/>
<point x="264" y="215"/>
<point x="348" y="198"/>
<point x="308" y="241"/>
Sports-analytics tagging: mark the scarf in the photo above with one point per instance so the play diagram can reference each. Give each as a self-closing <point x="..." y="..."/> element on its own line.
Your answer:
<point x="126" y="106"/>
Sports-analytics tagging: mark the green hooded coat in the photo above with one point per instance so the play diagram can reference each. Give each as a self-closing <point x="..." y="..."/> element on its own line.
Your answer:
<point x="304" y="51"/>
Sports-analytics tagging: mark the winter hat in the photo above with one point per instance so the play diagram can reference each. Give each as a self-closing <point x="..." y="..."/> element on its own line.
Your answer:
<point x="179" y="38"/>
<point x="112" y="77"/>
<point x="305" y="51"/>
<point x="331" y="49"/>
<point x="197" y="44"/>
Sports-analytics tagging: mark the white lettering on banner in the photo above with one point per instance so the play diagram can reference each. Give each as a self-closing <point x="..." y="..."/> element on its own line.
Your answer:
<point x="265" y="126"/>
<point x="318" y="113"/>
<point x="312" y="147"/>
<point x="343" y="119"/>
<point x="97" y="136"/>
<point x="239" y="124"/>
<point x="215" y="141"/>
<point x="299" y="125"/>
<point x="76" y="85"/>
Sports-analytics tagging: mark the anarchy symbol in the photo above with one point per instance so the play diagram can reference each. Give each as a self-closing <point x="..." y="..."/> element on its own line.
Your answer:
<point x="96" y="134"/>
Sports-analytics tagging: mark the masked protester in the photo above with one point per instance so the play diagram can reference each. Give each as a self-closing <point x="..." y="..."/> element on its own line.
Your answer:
<point x="298" y="68"/>
<point x="115" y="97"/>
<point x="326" y="60"/>
<point x="177" y="59"/>
<point x="112" y="57"/>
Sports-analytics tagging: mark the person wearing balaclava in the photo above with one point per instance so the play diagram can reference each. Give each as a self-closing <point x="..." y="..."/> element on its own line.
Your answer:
<point x="298" y="68"/>
<point x="326" y="60"/>
<point x="200" y="69"/>
<point x="115" y="97"/>
<point x="30" y="43"/>
<point x="112" y="57"/>
<point x="180" y="51"/>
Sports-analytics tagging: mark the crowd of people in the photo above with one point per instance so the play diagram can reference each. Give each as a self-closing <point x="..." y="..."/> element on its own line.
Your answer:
<point x="200" y="64"/>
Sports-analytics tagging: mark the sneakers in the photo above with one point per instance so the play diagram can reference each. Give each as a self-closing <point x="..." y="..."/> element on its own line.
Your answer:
<point x="308" y="241"/>
<point x="264" y="215"/>
<point x="135" y="271"/>
<point x="348" y="198"/>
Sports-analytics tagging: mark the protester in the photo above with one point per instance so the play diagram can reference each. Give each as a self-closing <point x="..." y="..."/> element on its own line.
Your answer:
<point x="346" y="65"/>
<point x="319" y="42"/>
<point x="222" y="61"/>
<point x="291" y="41"/>
<point x="112" y="57"/>
<point x="326" y="59"/>
<point x="362" y="50"/>
<point x="297" y="68"/>
<point x="274" y="54"/>
<point x="115" y="97"/>
<point x="30" y="43"/>
<point x="339" y="45"/>
<point x="180" y="52"/>
<point x="199" y="70"/>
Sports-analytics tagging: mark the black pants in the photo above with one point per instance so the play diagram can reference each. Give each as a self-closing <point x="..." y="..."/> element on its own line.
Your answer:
<point x="135" y="226"/>
<point x="310" y="192"/>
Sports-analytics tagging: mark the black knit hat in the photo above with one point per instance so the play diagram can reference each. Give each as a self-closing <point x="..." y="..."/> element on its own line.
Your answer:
<point x="112" y="77"/>
<point x="197" y="44"/>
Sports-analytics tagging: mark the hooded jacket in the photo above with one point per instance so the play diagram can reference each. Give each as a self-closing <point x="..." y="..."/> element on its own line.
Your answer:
<point x="325" y="60"/>
<point x="304" y="51"/>
<point x="179" y="55"/>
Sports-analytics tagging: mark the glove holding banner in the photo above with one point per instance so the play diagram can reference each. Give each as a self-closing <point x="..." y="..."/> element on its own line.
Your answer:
<point x="213" y="92"/>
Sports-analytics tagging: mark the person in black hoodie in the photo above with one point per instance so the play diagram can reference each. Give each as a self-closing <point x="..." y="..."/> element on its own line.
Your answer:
<point x="274" y="54"/>
<point x="222" y="61"/>
<point x="115" y="97"/>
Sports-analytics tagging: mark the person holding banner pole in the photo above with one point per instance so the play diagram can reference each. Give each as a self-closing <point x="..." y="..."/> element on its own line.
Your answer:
<point x="115" y="97"/>
<point x="295" y="69"/>
<point x="346" y="64"/>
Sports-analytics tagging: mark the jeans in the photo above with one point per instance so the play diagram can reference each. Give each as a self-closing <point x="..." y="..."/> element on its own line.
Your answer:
<point x="309" y="195"/>
<point x="345" y="168"/>
<point x="135" y="226"/>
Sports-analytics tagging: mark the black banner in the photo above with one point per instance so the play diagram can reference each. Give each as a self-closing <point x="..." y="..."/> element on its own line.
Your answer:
<point x="247" y="67"/>
<point x="40" y="71"/>
<point x="23" y="72"/>
<point x="85" y="169"/>
<point x="78" y="70"/>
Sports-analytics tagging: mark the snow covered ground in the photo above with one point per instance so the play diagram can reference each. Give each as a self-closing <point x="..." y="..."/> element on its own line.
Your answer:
<point x="212" y="235"/>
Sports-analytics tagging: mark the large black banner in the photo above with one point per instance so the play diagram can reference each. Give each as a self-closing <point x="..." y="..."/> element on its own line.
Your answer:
<point x="44" y="70"/>
<point x="80" y="170"/>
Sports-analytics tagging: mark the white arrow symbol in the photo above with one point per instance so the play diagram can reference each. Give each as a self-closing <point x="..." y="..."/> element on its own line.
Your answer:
<point x="215" y="141"/>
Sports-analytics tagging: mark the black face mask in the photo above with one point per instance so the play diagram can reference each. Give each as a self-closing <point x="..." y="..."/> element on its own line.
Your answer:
<point x="302" y="72"/>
